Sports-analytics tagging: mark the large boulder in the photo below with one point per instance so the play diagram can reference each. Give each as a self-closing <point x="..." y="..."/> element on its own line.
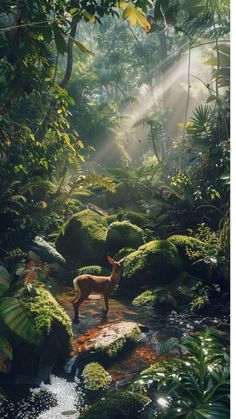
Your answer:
<point x="107" y="343"/>
<point x="123" y="405"/>
<point x="134" y="217"/>
<point x="39" y="332"/>
<point x="191" y="251"/>
<point x="154" y="264"/>
<point x="82" y="240"/>
<point x="123" y="234"/>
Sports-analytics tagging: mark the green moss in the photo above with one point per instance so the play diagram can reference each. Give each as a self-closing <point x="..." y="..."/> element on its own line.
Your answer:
<point x="185" y="243"/>
<point x="141" y="220"/>
<point x="114" y="342"/>
<point x="94" y="270"/>
<point x="123" y="253"/>
<point x="156" y="263"/>
<point x="199" y="303"/>
<point x="95" y="377"/>
<point x="125" y="405"/>
<point x="157" y="300"/>
<point x="146" y="300"/>
<point x="111" y="218"/>
<point x="123" y="234"/>
<point x="83" y="238"/>
<point x="44" y="309"/>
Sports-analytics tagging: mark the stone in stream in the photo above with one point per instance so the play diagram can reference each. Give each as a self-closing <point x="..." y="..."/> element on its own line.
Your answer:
<point x="109" y="341"/>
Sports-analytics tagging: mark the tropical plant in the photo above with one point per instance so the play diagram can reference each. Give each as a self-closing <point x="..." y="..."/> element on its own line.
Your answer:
<point x="193" y="386"/>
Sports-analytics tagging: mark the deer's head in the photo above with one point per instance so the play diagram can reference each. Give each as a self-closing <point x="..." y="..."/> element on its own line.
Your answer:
<point x="116" y="265"/>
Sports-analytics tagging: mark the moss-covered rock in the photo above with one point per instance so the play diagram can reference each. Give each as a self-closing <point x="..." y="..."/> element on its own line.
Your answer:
<point x="146" y="300"/>
<point x="106" y="344"/>
<point x="112" y="340"/>
<point x="156" y="263"/>
<point x="124" y="252"/>
<point x="137" y="218"/>
<point x="111" y="218"/>
<point x="123" y="234"/>
<point x="43" y="309"/>
<point x="94" y="270"/>
<point x="125" y="405"/>
<point x="83" y="238"/>
<point x="156" y="301"/>
<point x="190" y="249"/>
<point x="95" y="377"/>
<point x="185" y="243"/>
<point x="43" y="317"/>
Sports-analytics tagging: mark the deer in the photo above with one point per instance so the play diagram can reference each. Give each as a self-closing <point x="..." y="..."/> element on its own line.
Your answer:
<point x="104" y="285"/>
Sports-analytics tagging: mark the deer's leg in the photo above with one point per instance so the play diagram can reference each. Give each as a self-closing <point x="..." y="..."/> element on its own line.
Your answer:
<point x="106" y="304"/>
<point x="103" y="302"/>
<point x="76" y="304"/>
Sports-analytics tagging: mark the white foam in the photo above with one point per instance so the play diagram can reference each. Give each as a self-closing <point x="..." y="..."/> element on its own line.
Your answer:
<point x="69" y="398"/>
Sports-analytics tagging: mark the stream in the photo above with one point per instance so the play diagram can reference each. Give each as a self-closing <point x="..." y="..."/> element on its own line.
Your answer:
<point x="63" y="395"/>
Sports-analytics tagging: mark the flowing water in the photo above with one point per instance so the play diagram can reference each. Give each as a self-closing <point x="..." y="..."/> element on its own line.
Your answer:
<point x="63" y="397"/>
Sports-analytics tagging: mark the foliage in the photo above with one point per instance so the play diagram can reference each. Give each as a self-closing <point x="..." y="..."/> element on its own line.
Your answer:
<point x="194" y="386"/>
<point x="4" y="280"/>
<point x="95" y="377"/>
<point x="6" y="355"/>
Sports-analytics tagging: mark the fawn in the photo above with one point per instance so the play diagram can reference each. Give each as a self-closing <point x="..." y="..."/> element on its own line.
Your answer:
<point x="103" y="285"/>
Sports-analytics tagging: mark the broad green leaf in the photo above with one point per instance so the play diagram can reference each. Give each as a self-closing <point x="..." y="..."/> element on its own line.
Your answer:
<point x="16" y="317"/>
<point x="168" y="345"/>
<point x="59" y="39"/>
<point x="211" y="98"/>
<point x="5" y="280"/>
<point x="6" y="355"/>
<point x="46" y="251"/>
<point x="5" y="347"/>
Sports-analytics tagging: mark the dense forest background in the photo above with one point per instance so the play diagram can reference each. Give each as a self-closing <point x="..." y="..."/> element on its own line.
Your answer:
<point x="122" y="109"/>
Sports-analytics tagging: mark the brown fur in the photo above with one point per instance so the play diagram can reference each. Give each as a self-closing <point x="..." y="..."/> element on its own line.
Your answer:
<point x="103" y="285"/>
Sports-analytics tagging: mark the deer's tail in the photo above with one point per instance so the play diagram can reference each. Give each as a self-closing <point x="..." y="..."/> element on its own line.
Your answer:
<point x="76" y="286"/>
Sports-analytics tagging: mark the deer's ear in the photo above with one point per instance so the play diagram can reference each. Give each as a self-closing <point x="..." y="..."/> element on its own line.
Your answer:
<point x="121" y="261"/>
<point x="110" y="260"/>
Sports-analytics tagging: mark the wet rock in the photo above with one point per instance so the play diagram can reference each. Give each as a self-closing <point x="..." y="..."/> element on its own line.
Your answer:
<point x="109" y="341"/>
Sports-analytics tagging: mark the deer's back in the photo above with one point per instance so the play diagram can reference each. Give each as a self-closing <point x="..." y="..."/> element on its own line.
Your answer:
<point x="94" y="283"/>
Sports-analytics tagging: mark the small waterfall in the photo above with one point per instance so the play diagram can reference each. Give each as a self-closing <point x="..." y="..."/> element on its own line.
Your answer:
<point x="68" y="395"/>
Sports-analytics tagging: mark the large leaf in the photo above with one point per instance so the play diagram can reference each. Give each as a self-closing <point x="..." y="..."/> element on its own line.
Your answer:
<point x="59" y="39"/>
<point x="6" y="355"/>
<point x="135" y="16"/>
<point x="46" y="252"/>
<point x="5" y="280"/>
<point x="17" y="318"/>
